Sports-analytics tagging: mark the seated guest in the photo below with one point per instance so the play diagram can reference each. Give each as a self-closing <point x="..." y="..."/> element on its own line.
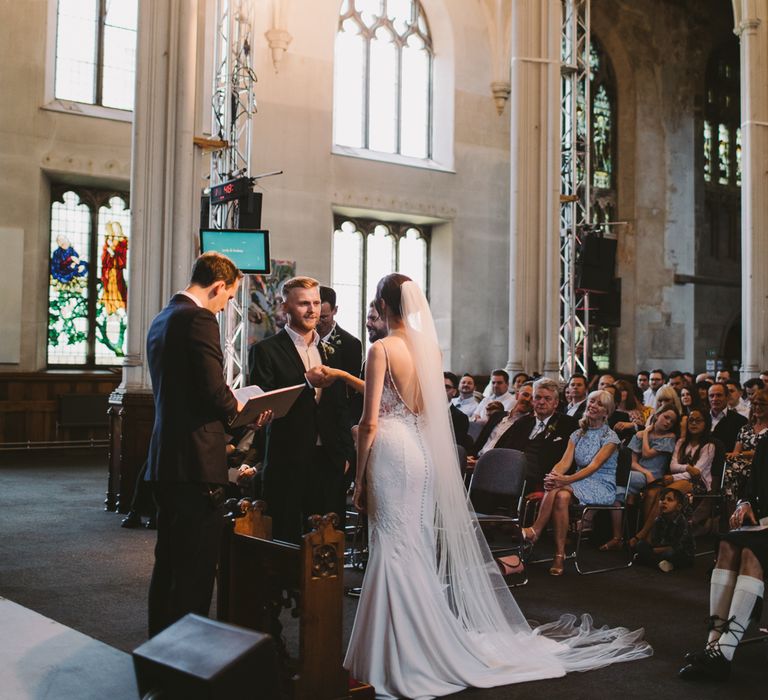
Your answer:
<point x="466" y="401"/>
<point x="518" y="380"/>
<point x="642" y="384"/>
<point x="670" y="545"/>
<point x="738" y="462"/>
<point x="605" y="380"/>
<point x="702" y="389"/>
<point x="500" y="421"/>
<point x="725" y="422"/>
<point x="628" y="403"/>
<point x="736" y="401"/>
<point x="577" y="386"/>
<point x="736" y="585"/>
<point x="705" y="377"/>
<point x="751" y="386"/>
<point x="593" y="451"/>
<point x="723" y="375"/>
<point x="688" y="400"/>
<point x="499" y="392"/>
<point x="656" y="380"/>
<point x="652" y="451"/>
<point x="667" y="397"/>
<point x="618" y="415"/>
<point x="689" y="380"/>
<point x="542" y="435"/>
<point x="458" y="419"/>
<point x="676" y="381"/>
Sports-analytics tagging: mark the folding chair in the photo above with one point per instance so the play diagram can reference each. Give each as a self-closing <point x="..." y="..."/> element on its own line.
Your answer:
<point x="714" y="500"/>
<point x="579" y="513"/>
<point x="499" y="475"/>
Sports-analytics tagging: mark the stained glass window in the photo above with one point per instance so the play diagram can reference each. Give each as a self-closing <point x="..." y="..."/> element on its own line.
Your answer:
<point x="88" y="277"/>
<point x="721" y="158"/>
<point x="96" y="52"/>
<point x="382" y="77"/>
<point x="364" y="250"/>
<point x="603" y="123"/>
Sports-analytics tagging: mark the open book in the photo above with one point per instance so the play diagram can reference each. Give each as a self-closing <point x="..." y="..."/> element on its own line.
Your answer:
<point x="278" y="401"/>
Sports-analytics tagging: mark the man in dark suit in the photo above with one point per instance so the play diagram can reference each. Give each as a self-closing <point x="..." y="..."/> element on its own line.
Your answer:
<point x="459" y="420"/>
<point x="308" y="450"/>
<point x="543" y="435"/>
<point x="187" y="463"/>
<point x="342" y="347"/>
<point x="500" y="422"/>
<point x="577" y="386"/>
<point x="726" y="423"/>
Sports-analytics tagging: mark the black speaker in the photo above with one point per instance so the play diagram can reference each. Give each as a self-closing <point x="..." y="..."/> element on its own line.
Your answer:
<point x="205" y="211"/>
<point x="605" y="309"/>
<point x="249" y="211"/>
<point x="596" y="263"/>
<point x="201" y="659"/>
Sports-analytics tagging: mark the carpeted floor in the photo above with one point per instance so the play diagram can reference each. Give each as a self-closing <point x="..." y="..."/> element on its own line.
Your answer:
<point x="63" y="556"/>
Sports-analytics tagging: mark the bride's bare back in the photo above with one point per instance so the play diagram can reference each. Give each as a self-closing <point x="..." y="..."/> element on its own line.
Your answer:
<point x="403" y="372"/>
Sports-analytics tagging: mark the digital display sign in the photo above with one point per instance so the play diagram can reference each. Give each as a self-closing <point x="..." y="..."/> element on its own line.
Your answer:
<point x="247" y="248"/>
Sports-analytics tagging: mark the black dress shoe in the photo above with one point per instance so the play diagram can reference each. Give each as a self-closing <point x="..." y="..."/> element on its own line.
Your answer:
<point x="709" y="665"/>
<point x="131" y="520"/>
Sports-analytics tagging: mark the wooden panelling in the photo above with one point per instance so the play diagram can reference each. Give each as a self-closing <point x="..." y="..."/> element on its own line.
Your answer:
<point x="29" y="404"/>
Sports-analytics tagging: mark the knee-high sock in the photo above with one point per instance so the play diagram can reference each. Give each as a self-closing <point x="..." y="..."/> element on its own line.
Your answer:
<point x="720" y="594"/>
<point x="748" y="589"/>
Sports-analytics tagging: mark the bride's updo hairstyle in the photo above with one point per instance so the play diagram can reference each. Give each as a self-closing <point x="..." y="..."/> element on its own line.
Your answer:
<point x="388" y="291"/>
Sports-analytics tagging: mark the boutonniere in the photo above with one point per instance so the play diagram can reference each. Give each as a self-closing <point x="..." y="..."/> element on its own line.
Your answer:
<point x="550" y="429"/>
<point x="328" y="349"/>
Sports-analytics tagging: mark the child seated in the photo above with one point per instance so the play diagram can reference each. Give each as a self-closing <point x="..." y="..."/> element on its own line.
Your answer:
<point x="670" y="544"/>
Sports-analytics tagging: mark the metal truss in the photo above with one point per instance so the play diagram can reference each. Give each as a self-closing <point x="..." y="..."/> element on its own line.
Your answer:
<point x="233" y="106"/>
<point x="574" y="183"/>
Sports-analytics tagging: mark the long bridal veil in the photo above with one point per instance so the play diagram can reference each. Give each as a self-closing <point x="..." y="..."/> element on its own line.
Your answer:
<point x="473" y="585"/>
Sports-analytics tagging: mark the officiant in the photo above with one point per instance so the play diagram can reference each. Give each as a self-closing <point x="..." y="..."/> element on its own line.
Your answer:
<point x="309" y="449"/>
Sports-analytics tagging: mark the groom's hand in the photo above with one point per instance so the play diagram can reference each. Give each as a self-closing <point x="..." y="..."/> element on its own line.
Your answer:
<point x="320" y="377"/>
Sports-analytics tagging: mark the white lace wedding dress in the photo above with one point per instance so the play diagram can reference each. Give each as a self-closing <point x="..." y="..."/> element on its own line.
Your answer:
<point x="426" y="627"/>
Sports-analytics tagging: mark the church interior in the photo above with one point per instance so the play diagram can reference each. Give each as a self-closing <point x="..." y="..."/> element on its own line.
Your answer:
<point x="448" y="139"/>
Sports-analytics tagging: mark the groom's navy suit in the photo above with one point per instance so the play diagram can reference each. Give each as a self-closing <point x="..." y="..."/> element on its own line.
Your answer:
<point x="187" y="461"/>
<point x="307" y="449"/>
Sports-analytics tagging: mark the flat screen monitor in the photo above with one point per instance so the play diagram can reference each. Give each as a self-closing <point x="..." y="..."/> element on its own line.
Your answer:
<point x="247" y="248"/>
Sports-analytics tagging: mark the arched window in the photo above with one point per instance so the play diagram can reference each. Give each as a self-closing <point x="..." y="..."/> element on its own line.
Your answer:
<point x="383" y="78"/>
<point x="88" y="277"/>
<point x="603" y="121"/>
<point x="364" y="250"/>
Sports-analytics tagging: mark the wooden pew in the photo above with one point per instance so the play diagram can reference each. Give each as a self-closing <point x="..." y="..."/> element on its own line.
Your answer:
<point x="258" y="577"/>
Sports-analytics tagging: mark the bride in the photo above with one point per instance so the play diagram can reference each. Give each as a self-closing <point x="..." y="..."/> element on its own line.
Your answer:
<point x="434" y="615"/>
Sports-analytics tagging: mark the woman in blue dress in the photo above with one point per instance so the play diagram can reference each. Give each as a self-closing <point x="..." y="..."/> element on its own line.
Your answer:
<point x="593" y="450"/>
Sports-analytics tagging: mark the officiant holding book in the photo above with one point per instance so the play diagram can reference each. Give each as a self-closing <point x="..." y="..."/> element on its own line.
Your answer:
<point x="187" y="463"/>
<point x="308" y="449"/>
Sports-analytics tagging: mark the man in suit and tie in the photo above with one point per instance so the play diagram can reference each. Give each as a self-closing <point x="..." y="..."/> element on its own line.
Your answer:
<point x="578" y="390"/>
<point x="726" y="422"/>
<point x="543" y="435"/>
<point x="187" y="463"/>
<point x="308" y="450"/>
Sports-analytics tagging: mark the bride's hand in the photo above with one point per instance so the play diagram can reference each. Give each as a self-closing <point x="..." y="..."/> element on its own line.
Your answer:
<point x="358" y="498"/>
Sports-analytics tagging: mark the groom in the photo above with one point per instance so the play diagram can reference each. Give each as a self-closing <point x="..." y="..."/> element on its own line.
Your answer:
<point x="309" y="448"/>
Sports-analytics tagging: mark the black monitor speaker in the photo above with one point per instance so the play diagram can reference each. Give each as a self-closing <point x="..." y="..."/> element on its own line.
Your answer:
<point x="596" y="263"/>
<point x="249" y="210"/>
<point x="201" y="659"/>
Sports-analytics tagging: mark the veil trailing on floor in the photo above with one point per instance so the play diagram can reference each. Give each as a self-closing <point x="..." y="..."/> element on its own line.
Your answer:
<point x="473" y="585"/>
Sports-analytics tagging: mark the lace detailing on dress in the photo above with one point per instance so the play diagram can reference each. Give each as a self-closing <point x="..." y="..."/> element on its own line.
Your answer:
<point x="392" y="405"/>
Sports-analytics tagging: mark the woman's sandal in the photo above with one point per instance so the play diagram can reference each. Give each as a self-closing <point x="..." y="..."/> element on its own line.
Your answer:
<point x="530" y="535"/>
<point x="558" y="565"/>
<point x="511" y="564"/>
<point x="613" y="545"/>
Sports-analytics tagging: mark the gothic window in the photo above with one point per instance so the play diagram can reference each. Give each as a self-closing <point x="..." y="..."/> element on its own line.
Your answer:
<point x="383" y="78"/>
<point x="603" y="121"/>
<point x="721" y="150"/>
<point x="88" y="277"/>
<point x="364" y="250"/>
<point x="96" y="52"/>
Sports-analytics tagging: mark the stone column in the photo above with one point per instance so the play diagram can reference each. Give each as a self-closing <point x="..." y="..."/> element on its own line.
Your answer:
<point x="534" y="186"/>
<point x="164" y="202"/>
<point x="751" y="18"/>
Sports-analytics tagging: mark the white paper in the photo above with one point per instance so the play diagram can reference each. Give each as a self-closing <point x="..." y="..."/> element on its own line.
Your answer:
<point x="247" y="392"/>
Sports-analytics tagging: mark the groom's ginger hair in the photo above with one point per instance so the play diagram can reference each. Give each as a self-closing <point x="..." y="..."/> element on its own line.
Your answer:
<point x="299" y="283"/>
